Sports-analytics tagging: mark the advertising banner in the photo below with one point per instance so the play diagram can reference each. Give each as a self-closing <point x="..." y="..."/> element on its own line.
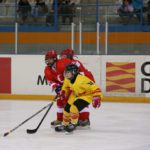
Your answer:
<point x="126" y="76"/>
<point x="5" y="75"/>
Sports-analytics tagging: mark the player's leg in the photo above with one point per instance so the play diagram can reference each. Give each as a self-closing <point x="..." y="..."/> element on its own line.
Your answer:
<point x="60" y="109"/>
<point x="75" y="108"/>
<point x="84" y="117"/>
<point x="66" y="119"/>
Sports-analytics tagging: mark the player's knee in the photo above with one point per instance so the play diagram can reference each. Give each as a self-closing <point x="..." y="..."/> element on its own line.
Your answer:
<point x="65" y="113"/>
<point x="74" y="109"/>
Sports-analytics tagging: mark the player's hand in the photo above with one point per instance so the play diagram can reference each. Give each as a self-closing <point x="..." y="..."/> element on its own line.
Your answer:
<point x="62" y="95"/>
<point x="96" y="101"/>
<point x="62" y="98"/>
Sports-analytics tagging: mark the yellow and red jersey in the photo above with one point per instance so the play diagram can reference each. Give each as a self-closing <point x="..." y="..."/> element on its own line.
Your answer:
<point x="82" y="88"/>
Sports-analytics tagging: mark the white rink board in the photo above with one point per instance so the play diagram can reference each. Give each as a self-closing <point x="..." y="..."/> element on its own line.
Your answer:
<point x="25" y="70"/>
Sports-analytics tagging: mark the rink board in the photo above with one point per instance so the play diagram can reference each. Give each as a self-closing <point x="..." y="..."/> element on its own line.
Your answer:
<point x="121" y="78"/>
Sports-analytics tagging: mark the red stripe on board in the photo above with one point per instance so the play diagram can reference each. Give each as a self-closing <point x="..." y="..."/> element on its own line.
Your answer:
<point x="122" y="66"/>
<point x="117" y="87"/>
<point x="117" y="72"/>
<point x="123" y="81"/>
<point x="5" y="75"/>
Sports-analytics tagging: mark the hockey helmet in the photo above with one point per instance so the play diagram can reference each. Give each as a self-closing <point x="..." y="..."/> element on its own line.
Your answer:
<point x="68" y="52"/>
<point x="52" y="55"/>
<point x="73" y="69"/>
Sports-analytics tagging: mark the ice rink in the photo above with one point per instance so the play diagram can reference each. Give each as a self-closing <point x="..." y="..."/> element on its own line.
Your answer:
<point x="115" y="126"/>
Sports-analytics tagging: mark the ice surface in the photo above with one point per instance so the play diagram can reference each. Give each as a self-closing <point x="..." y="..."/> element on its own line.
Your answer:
<point x="115" y="126"/>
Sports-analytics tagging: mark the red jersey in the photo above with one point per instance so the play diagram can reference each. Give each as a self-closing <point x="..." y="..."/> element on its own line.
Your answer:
<point x="55" y="75"/>
<point x="61" y="64"/>
<point x="83" y="70"/>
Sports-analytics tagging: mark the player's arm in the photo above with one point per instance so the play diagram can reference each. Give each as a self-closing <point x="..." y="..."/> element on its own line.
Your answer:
<point x="84" y="71"/>
<point x="65" y="90"/>
<point x="96" y="93"/>
<point x="53" y="83"/>
<point x="65" y="86"/>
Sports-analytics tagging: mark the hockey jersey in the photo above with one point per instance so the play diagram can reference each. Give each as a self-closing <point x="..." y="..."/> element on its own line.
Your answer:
<point x="82" y="88"/>
<point x="54" y="75"/>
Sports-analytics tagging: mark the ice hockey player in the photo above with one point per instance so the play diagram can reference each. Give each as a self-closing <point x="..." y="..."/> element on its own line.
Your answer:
<point x="55" y="79"/>
<point x="69" y="53"/>
<point x="84" y="114"/>
<point x="84" y="92"/>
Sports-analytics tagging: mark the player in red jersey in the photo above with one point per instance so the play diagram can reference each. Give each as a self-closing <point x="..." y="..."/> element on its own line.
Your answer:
<point x="54" y="74"/>
<point x="69" y="53"/>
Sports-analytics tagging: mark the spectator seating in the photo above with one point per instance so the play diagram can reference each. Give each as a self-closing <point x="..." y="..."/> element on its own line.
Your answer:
<point x="7" y="11"/>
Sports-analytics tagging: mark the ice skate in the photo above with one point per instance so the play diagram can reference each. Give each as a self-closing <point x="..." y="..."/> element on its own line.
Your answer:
<point x="60" y="128"/>
<point x="56" y="123"/>
<point x="70" y="128"/>
<point x="84" y="123"/>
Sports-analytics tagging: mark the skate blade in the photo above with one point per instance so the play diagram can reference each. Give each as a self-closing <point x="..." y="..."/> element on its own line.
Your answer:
<point x="68" y="133"/>
<point x="54" y="126"/>
<point x="83" y="128"/>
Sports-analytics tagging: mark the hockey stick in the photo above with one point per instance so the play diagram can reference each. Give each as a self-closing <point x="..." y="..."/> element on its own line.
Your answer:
<point x="5" y="134"/>
<point x="31" y="131"/>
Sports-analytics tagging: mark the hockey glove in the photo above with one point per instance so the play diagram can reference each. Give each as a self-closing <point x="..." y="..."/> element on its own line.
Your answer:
<point x="62" y="98"/>
<point x="61" y="95"/>
<point x="96" y="101"/>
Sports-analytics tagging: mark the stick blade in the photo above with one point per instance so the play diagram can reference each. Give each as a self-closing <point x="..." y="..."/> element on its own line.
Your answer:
<point x="31" y="131"/>
<point x="5" y="134"/>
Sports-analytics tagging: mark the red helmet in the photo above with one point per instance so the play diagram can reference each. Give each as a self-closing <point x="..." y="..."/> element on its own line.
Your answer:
<point x="68" y="52"/>
<point x="51" y="54"/>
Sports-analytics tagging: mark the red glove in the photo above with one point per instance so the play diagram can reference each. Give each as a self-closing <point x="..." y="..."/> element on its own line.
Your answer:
<point x="54" y="86"/>
<point x="62" y="98"/>
<point x="96" y="101"/>
<point x="62" y="95"/>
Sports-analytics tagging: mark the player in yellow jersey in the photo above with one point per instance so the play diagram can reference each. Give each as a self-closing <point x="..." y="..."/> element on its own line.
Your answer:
<point x="84" y="92"/>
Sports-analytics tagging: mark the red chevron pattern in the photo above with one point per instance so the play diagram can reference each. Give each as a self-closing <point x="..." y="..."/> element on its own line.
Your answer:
<point x="120" y="77"/>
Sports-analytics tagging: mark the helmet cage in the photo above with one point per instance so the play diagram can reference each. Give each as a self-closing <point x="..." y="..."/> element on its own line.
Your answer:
<point x="50" y="58"/>
<point x="73" y="69"/>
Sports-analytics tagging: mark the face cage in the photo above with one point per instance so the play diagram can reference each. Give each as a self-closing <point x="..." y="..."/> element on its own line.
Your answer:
<point x="74" y="73"/>
<point x="50" y="64"/>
